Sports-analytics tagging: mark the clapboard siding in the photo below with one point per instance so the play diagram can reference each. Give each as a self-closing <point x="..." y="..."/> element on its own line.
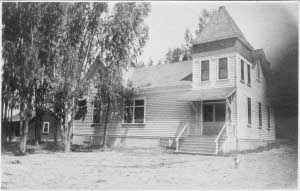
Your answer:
<point x="163" y="113"/>
<point x="258" y="93"/>
<point x="213" y="81"/>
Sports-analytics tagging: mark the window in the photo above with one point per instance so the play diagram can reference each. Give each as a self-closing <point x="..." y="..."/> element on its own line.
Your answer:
<point x="269" y="120"/>
<point x="249" y="110"/>
<point x="259" y="115"/>
<point x="242" y="70"/>
<point x="223" y="72"/>
<point x="220" y="111"/>
<point x="81" y="109"/>
<point x="205" y="70"/>
<point x="134" y="111"/>
<point x="96" y="111"/>
<point x="208" y="112"/>
<point x="46" y="128"/>
<point x="249" y="74"/>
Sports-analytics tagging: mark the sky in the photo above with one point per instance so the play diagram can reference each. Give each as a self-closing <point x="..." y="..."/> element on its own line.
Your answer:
<point x="271" y="26"/>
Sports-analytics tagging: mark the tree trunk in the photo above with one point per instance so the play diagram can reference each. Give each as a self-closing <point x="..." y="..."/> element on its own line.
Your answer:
<point x="23" y="143"/>
<point x="5" y="128"/>
<point x="36" y="131"/>
<point x="55" y="132"/>
<point x="68" y="129"/>
<point x="105" y="125"/>
<point x="10" y="124"/>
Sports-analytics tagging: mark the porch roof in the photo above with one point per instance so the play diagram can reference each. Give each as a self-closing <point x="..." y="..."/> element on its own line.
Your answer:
<point x="207" y="94"/>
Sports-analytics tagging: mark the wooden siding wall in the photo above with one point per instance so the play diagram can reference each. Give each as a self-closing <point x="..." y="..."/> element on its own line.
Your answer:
<point x="213" y="81"/>
<point x="163" y="113"/>
<point x="257" y="93"/>
<point x="52" y="124"/>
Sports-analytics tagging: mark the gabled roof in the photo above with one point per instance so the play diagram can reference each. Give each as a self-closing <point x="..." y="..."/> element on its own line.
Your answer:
<point x="162" y="75"/>
<point x="221" y="26"/>
<point x="259" y="55"/>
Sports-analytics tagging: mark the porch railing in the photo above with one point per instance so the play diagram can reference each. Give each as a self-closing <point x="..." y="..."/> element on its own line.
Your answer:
<point x="230" y="132"/>
<point x="185" y="127"/>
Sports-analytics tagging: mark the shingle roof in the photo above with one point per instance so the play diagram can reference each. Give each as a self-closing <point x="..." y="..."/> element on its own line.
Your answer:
<point x="221" y="26"/>
<point x="259" y="55"/>
<point x="162" y="75"/>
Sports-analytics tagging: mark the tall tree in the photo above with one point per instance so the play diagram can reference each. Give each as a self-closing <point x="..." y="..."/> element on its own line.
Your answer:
<point x="126" y="25"/>
<point x="81" y="30"/>
<point x="20" y="22"/>
<point x="27" y="35"/>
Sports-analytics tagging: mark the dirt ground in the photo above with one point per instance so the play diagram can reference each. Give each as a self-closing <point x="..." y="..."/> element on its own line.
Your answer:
<point x="276" y="168"/>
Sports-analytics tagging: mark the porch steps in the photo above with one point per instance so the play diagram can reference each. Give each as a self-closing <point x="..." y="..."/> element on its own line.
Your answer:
<point x="199" y="145"/>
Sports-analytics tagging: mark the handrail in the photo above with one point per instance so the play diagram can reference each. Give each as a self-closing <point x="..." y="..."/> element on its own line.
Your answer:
<point x="179" y="135"/>
<point x="219" y="135"/>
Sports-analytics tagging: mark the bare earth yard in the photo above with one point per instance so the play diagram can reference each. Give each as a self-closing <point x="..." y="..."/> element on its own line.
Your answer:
<point x="276" y="168"/>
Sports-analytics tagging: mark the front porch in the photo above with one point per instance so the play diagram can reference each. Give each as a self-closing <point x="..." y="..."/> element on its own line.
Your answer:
<point x="213" y="123"/>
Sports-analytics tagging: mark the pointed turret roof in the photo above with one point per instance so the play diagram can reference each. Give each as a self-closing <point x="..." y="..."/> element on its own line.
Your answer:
<point x="221" y="26"/>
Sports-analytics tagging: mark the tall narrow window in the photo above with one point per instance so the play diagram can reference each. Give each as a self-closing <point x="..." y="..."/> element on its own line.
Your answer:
<point x="81" y="109"/>
<point x="269" y="120"/>
<point x="97" y="111"/>
<point x="242" y="70"/>
<point x="249" y="74"/>
<point x="259" y="115"/>
<point x="223" y="70"/>
<point x="249" y="111"/>
<point x="205" y="70"/>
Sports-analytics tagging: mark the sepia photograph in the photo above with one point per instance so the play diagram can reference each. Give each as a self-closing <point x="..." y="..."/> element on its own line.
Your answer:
<point x="149" y="95"/>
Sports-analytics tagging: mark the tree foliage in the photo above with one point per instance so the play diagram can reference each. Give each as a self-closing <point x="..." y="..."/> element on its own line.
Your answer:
<point x="183" y="53"/>
<point x="52" y="51"/>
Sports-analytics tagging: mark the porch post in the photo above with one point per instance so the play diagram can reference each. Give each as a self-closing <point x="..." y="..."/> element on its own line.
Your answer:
<point x="201" y="117"/>
<point x="226" y="110"/>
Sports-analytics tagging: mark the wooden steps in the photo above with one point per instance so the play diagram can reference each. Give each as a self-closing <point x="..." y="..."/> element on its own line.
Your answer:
<point x="199" y="145"/>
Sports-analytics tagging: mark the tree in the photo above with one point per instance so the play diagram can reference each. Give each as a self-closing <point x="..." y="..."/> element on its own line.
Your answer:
<point x="78" y="48"/>
<point x="21" y="54"/>
<point x="126" y="25"/>
<point x="28" y="40"/>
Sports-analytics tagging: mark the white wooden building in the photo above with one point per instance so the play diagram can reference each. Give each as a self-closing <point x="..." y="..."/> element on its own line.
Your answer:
<point x="216" y="102"/>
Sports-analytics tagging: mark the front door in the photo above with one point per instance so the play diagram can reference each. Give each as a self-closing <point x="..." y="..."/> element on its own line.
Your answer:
<point x="214" y="113"/>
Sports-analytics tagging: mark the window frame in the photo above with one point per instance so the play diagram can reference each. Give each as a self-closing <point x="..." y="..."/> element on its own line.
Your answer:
<point x="249" y="112"/>
<point x="242" y="71"/>
<point x="259" y="116"/>
<point x="84" y="106"/>
<point x="227" y="73"/>
<point x="269" y="117"/>
<point x="43" y="129"/>
<point x="133" y="113"/>
<point x="208" y="70"/>
<point x="249" y="75"/>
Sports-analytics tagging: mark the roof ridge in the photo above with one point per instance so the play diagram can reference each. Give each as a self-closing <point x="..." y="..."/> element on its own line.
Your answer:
<point x="160" y="65"/>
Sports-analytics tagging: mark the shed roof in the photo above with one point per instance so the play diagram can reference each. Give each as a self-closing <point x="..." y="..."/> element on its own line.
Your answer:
<point x="162" y="75"/>
<point x="221" y="26"/>
<point x="207" y="94"/>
